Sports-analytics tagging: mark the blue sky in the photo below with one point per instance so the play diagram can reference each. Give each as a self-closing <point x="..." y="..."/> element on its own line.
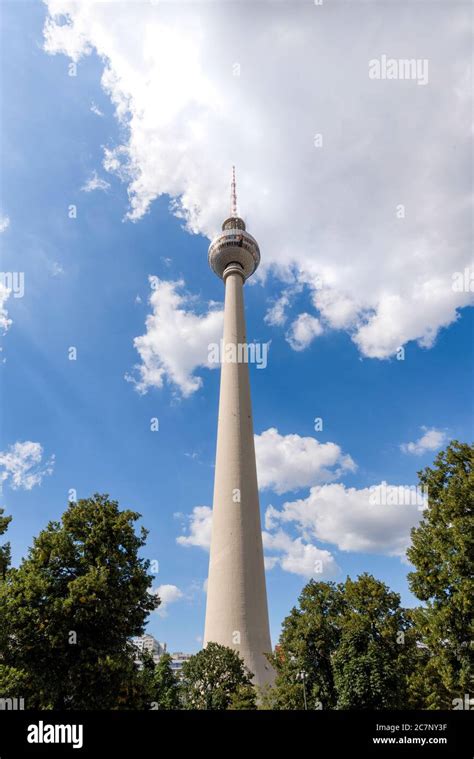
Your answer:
<point x="82" y="279"/>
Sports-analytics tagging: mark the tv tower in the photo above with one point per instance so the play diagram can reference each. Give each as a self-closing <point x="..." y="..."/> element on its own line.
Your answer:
<point x="236" y="612"/>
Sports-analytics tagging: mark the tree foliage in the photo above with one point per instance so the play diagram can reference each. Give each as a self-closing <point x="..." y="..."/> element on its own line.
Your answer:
<point x="442" y="552"/>
<point x="310" y="635"/>
<point x="164" y="686"/>
<point x="5" y="548"/>
<point x="71" y="608"/>
<point x="349" y="645"/>
<point x="216" y="678"/>
<point x="376" y="650"/>
<point x="243" y="698"/>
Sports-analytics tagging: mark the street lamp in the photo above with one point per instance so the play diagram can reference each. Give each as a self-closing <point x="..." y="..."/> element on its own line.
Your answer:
<point x="302" y="675"/>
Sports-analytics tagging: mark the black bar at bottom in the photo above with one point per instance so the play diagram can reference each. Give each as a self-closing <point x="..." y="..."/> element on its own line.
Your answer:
<point x="136" y="734"/>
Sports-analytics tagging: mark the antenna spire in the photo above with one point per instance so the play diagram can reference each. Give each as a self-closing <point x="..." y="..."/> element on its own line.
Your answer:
<point x="233" y="195"/>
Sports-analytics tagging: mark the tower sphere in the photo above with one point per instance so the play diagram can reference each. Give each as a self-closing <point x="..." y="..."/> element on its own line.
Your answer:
<point x="234" y="245"/>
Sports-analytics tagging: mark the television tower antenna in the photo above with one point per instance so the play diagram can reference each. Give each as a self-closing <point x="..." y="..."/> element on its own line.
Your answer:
<point x="233" y="195"/>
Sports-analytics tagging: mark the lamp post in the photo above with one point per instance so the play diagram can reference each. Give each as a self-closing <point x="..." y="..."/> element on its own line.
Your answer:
<point x="302" y="674"/>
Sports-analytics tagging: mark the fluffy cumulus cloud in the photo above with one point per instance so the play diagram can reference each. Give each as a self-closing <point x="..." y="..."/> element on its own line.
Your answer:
<point x="374" y="520"/>
<point x="431" y="440"/>
<point x="168" y="594"/>
<point x="22" y="465"/>
<point x="4" y="222"/>
<point x="298" y="557"/>
<point x="367" y="520"/>
<point x="303" y="331"/>
<point x="277" y="313"/>
<point x="177" y="340"/>
<point x="351" y="182"/>
<point x="290" y="462"/>
<point x="199" y="529"/>
<point x="293" y="555"/>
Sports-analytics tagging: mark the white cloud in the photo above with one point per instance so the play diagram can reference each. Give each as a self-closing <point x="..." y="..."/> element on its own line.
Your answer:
<point x="431" y="440"/>
<point x="292" y="555"/>
<point x="354" y="520"/>
<point x="298" y="557"/>
<point x="290" y="462"/>
<point x="200" y="525"/>
<point x="95" y="183"/>
<point x="269" y="561"/>
<point x="95" y="109"/>
<point x="340" y="310"/>
<point x="168" y="594"/>
<point x="374" y="520"/>
<point x="331" y="213"/>
<point x="276" y="315"/>
<point x="5" y="322"/>
<point x="176" y="340"/>
<point x="22" y="466"/>
<point x="303" y="331"/>
<point x="4" y="223"/>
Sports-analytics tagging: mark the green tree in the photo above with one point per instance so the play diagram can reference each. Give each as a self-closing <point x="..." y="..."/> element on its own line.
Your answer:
<point x="165" y="687"/>
<point x="12" y="681"/>
<point x="71" y="608"/>
<point x="5" y="555"/>
<point x="346" y="646"/>
<point x="216" y="678"/>
<point x="243" y="698"/>
<point x="376" y="651"/>
<point x="442" y="554"/>
<point x="422" y="680"/>
<point x="310" y="635"/>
